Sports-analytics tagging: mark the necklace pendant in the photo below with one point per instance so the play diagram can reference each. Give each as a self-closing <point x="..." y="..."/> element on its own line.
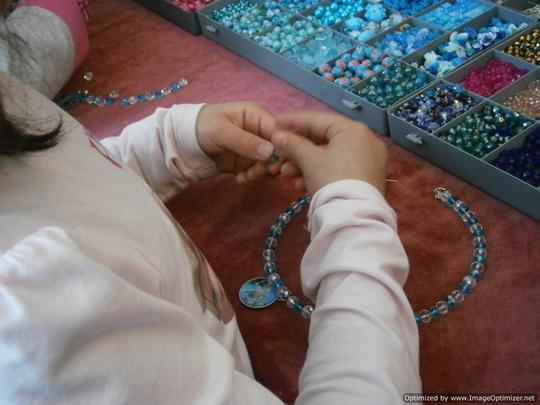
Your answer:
<point x="257" y="293"/>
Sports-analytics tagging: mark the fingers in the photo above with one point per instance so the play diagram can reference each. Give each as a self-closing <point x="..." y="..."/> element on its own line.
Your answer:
<point x="255" y="119"/>
<point x="294" y="147"/>
<point x="245" y="144"/>
<point x="319" y="126"/>
<point x="290" y="169"/>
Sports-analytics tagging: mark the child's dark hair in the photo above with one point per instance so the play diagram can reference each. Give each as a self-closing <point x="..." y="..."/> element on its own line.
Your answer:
<point x="16" y="136"/>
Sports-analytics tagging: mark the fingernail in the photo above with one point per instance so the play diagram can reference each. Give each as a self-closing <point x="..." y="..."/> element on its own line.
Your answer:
<point x="265" y="151"/>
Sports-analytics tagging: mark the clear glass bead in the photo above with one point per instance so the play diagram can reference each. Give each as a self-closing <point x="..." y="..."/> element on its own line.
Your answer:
<point x="268" y="254"/>
<point x="183" y="82"/>
<point x="477" y="266"/>
<point x="269" y="267"/>
<point x="88" y="76"/>
<point x="442" y="194"/>
<point x="271" y="242"/>
<point x="150" y="96"/>
<point x="296" y="207"/>
<point x="458" y="296"/>
<point x="425" y="316"/>
<point x="284" y="217"/>
<point x="276" y="229"/>
<point x="442" y="307"/>
<point x="457" y="205"/>
<point x="476" y="227"/>
<point x="480" y="252"/>
<point x="470" y="281"/>
<point x="469" y="215"/>
<point x="292" y="301"/>
<point x="165" y="91"/>
<point x="479" y="240"/>
<point x="133" y="100"/>
<point x="272" y="278"/>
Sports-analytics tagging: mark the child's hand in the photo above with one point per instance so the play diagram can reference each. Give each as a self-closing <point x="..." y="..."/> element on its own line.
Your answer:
<point x="323" y="148"/>
<point x="236" y="136"/>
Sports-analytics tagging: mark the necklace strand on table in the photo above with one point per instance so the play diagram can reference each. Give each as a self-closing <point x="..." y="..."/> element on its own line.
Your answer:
<point x="263" y="291"/>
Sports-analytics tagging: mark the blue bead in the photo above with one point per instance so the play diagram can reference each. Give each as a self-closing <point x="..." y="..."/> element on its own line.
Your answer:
<point x="417" y="319"/>
<point x="277" y="284"/>
<point x="109" y="100"/>
<point x="475" y="274"/>
<point x="435" y="313"/>
<point x="465" y="288"/>
<point x="124" y="101"/>
<point x="451" y="302"/>
<point x="463" y="209"/>
<point x="303" y="201"/>
<point x="158" y="95"/>
<point x="472" y="221"/>
<point x="291" y="212"/>
<point x="480" y="259"/>
<point x="269" y="268"/>
<point x="141" y="98"/>
<point x="451" y="201"/>
<point x="297" y="308"/>
<point x="175" y="87"/>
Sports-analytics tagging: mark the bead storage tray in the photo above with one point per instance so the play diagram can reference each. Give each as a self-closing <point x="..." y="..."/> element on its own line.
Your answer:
<point x="479" y="172"/>
<point x="188" y="21"/>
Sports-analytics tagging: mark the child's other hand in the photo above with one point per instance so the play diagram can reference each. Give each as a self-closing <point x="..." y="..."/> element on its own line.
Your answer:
<point x="323" y="148"/>
<point x="236" y="136"/>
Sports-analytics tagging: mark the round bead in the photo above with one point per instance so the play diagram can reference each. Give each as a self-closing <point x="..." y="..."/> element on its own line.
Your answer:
<point x="273" y="278"/>
<point x="442" y="307"/>
<point x="458" y="296"/>
<point x="283" y="293"/>
<point x="292" y="301"/>
<point x="425" y="317"/>
<point x="269" y="255"/>
<point x="307" y="310"/>
<point x="270" y="243"/>
<point x="269" y="267"/>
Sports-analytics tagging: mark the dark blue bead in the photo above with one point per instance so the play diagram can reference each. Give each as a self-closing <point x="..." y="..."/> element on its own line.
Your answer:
<point x="480" y="259"/>
<point x="435" y="313"/>
<point x="175" y="87"/>
<point x="475" y="274"/>
<point x="472" y="221"/>
<point x="451" y="302"/>
<point x="480" y="245"/>
<point x="298" y="307"/>
<point x="478" y="232"/>
<point x="463" y="209"/>
<point x="465" y="288"/>
<point x="158" y="95"/>
<point x="291" y="212"/>
<point x="109" y="100"/>
<point x="451" y="201"/>
<point x="303" y="201"/>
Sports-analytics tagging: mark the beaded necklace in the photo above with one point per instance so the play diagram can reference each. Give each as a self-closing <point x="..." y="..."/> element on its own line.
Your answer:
<point x="261" y="292"/>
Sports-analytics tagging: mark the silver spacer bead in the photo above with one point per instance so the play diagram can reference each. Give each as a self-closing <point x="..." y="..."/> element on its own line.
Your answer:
<point x="282" y="293"/>
<point x="296" y="207"/>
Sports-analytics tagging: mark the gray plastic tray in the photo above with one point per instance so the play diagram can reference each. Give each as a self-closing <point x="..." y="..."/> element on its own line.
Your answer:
<point x="184" y="19"/>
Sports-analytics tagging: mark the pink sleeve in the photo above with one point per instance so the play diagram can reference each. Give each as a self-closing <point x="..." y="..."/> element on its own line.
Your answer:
<point x="363" y="338"/>
<point x="69" y="12"/>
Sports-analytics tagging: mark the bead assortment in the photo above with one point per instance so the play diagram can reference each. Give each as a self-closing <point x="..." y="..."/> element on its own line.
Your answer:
<point x="274" y="282"/>
<point x="523" y="162"/>
<point x="405" y="40"/>
<point x="527" y="47"/>
<point x="466" y="43"/>
<point x="84" y="96"/>
<point x="372" y="23"/>
<point x="409" y="7"/>
<point x="323" y="46"/>
<point x="392" y="84"/>
<point x="484" y="131"/>
<point x="248" y="18"/>
<point x="281" y="38"/>
<point x="351" y="68"/>
<point x="450" y="15"/>
<point x="526" y="101"/>
<point x="336" y="11"/>
<point x="297" y="6"/>
<point x="435" y="107"/>
<point x="494" y="76"/>
<point x="191" y="5"/>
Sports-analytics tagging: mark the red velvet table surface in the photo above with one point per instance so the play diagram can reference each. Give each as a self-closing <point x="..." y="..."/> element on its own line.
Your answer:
<point x="491" y="344"/>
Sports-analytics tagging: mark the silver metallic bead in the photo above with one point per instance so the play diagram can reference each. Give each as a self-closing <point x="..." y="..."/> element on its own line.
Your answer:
<point x="269" y="266"/>
<point x="88" y="76"/>
<point x="283" y="293"/>
<point x="442" y="307"/>
<point x="457" y="205"/>
<point x="480" y="252"/>
<point x="276" y="229"/>
<point x="307" y="310"/>
<point x="292" y="301"/>
<point x="165" y="91"/>
<point x="442" y="194"/>
<point x="150" y="96"/>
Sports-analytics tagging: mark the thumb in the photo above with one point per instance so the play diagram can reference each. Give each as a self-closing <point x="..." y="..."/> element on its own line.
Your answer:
<point x="294" y="147"/>
<point x="246" y="144"/>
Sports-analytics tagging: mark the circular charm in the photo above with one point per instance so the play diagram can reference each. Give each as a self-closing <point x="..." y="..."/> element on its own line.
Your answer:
<point x="257" y="293"/>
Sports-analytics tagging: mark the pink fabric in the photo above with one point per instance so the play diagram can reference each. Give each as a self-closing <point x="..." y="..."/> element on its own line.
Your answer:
<point x="70" y="13"/>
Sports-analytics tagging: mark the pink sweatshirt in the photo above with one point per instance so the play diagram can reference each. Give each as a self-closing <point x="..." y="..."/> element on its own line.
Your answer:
<point x="105" y="300"/>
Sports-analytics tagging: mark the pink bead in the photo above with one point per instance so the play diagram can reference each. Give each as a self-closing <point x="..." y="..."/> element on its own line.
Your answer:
<point x="492" y="77"/>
